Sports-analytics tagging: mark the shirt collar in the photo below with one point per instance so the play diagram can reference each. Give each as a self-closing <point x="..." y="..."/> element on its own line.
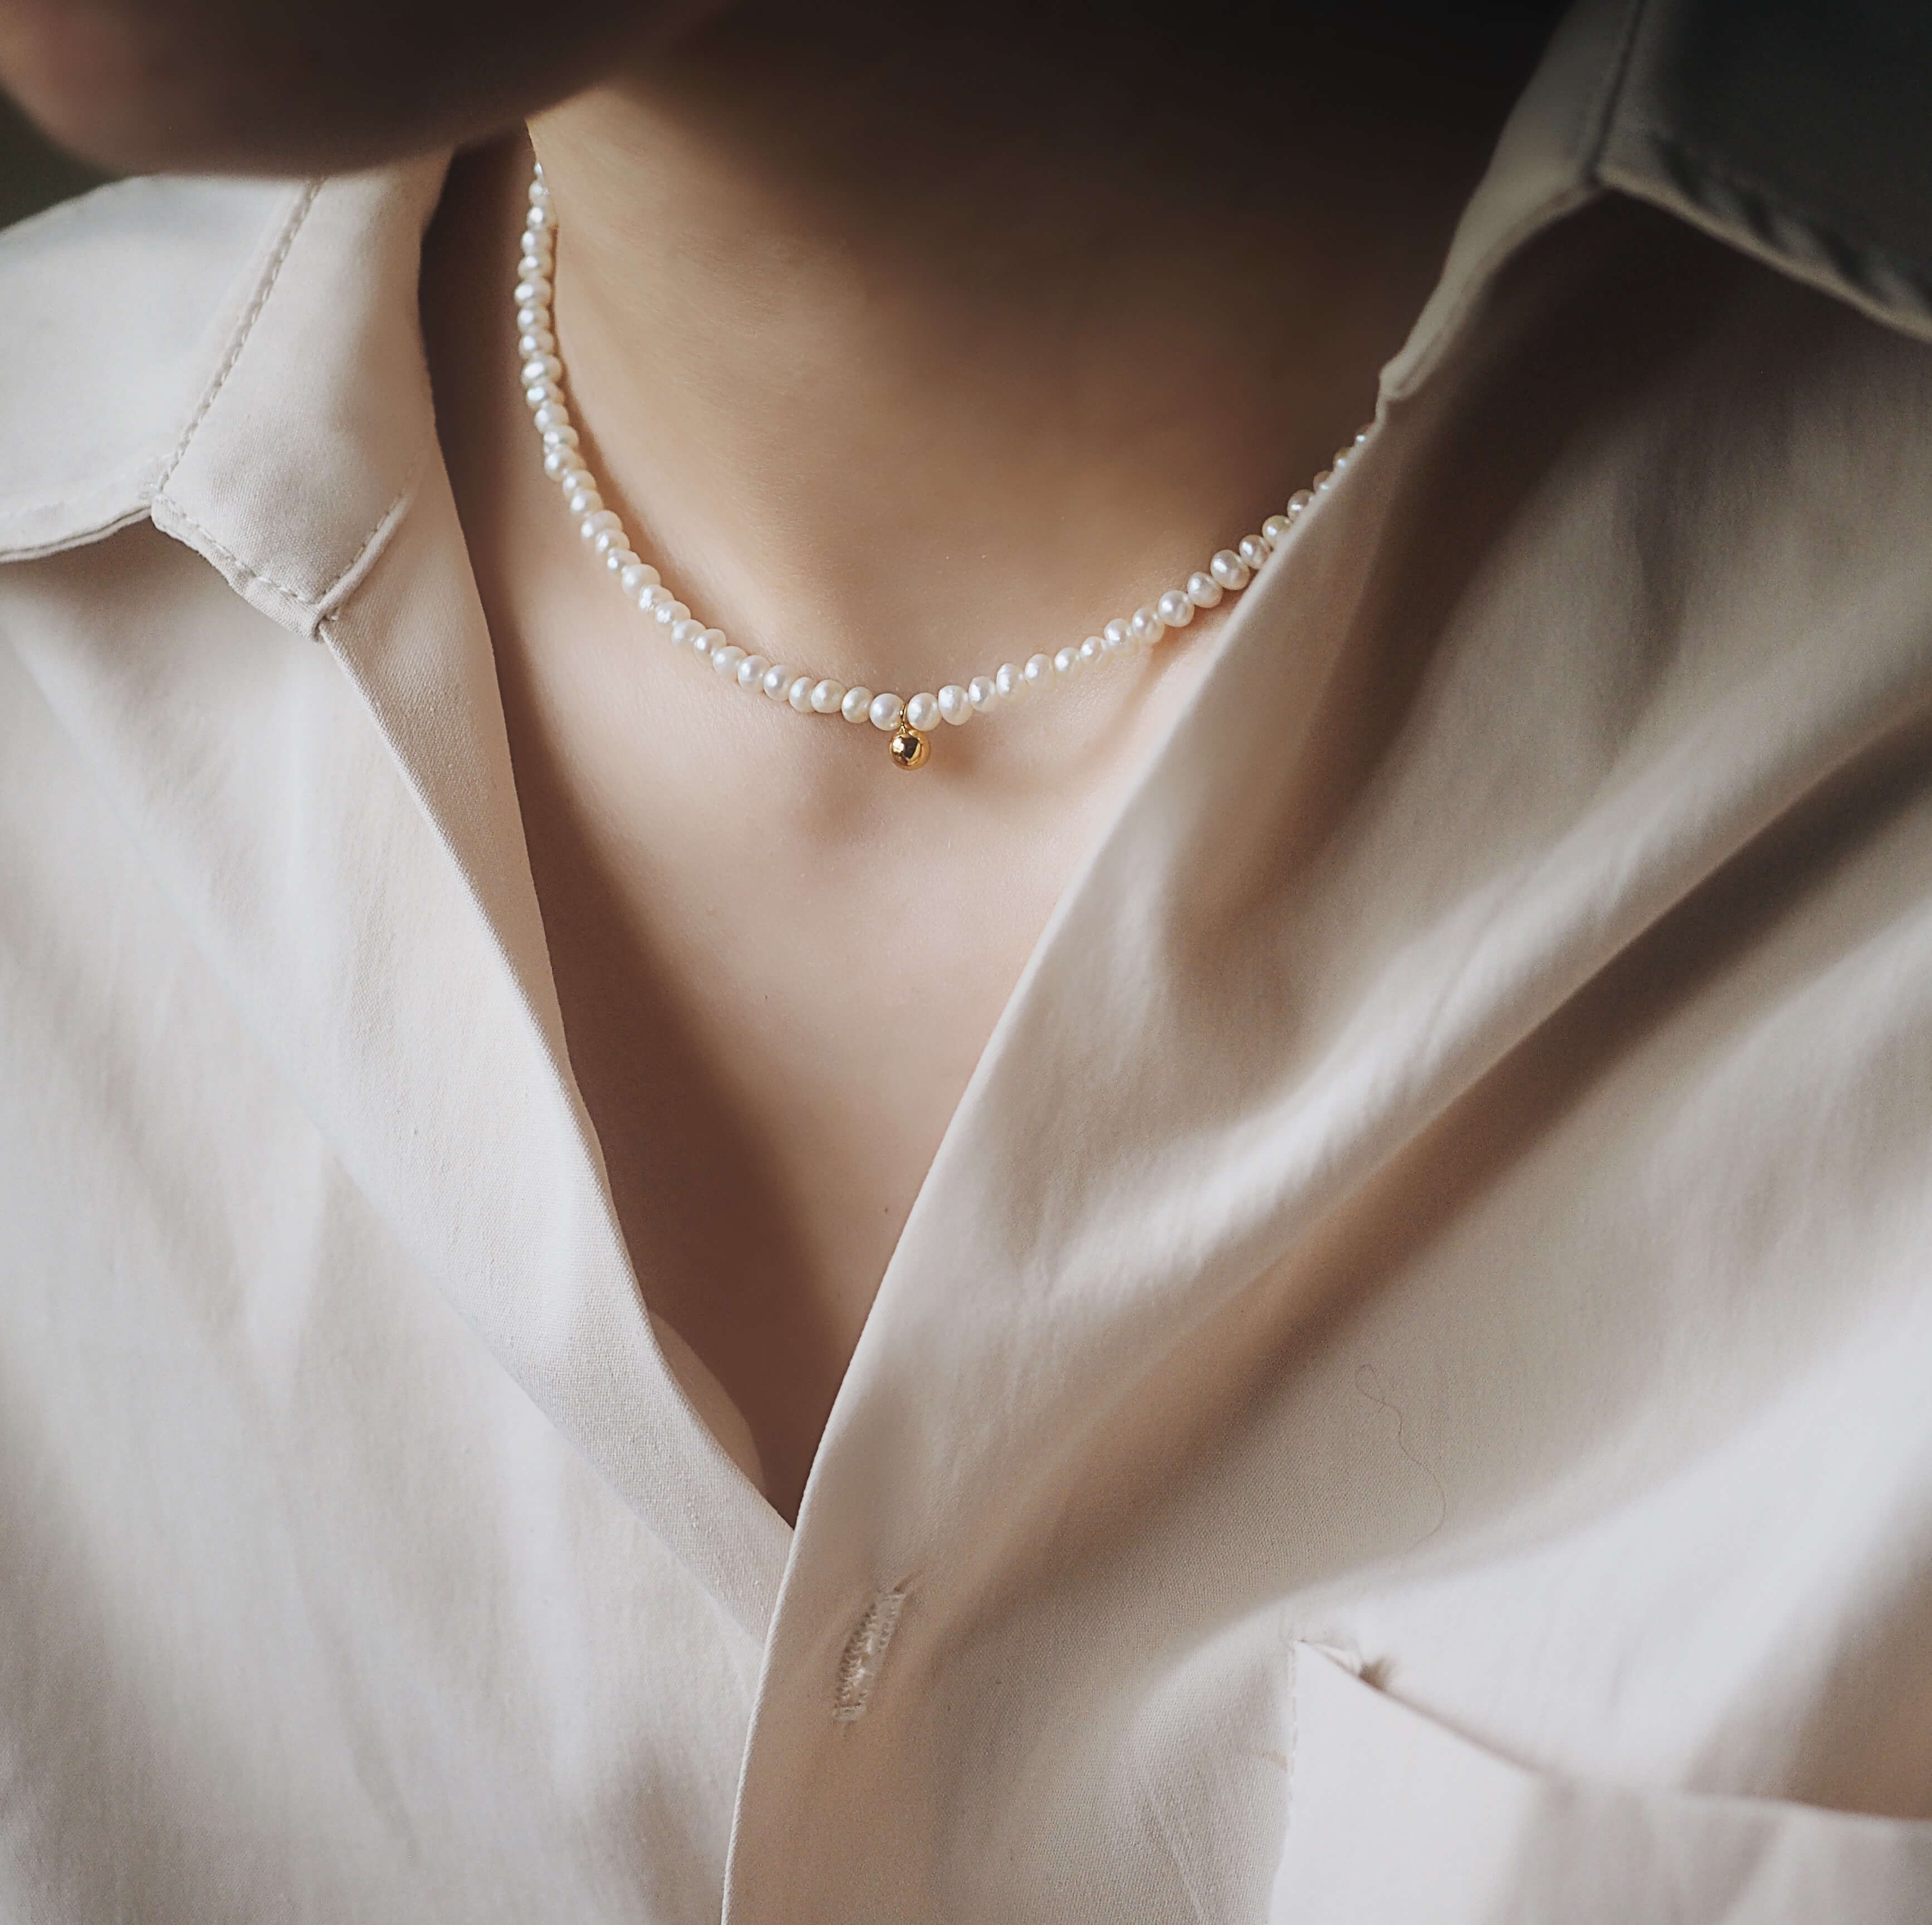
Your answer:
<point x="1796" y="131"/>
<point x="240" y="361"/>
<point x="305" y="448"/>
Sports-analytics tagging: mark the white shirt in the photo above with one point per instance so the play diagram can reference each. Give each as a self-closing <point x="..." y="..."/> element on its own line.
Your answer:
<point x="1406" y="1394"/>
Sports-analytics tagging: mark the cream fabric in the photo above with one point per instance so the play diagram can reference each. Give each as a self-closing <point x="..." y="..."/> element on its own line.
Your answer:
<point x="1407" y="1392"/>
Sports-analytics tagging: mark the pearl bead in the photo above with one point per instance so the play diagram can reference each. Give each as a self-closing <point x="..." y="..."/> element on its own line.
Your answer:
<point x="534" y="289"/>
<point x="542" y="367"/>
<point x="983" y="691"/>
<point x="532" y="317"/>
<point x="594" y="524"/>
<point x="752" y="671"/>
<point x="1146" y="625"/>
<point x="668" y="614"/>
<point x="1203" y="590"/>
<point x="651" y="599"/>
<point x="542" y="395"/>
<point x="565" y="436"/>
<point x="887" y="712"/>
<point x="686" y="634"/>
<point x="1009" y="679"/>
<point x="538" y="216"/>
<point x="637" y="577"/>
<point x="551" y="416"/>
<point x="777" y="680"/>
<point x="538" y="341"/>
<point x="557" y="459"/>
<point x="617" y="558"/>
<point x="1322" y="480"/>
<point x="1274" y="530"/>
<point x="1174" y="609"/>
<point x="1343" y="456"/>
<point x="726" y="656"/>
<point x="955" y="704"/>
<point x="585" y="501"/>
<point x="1066" y="661"/>
<point x="1229" y="569"/>
<point x="857" y="706"/>
<point x="1117" y="634"/>
<point x="1038" y="671"/>
<point x="709" y="643"/>
<point x="922" y="712"/>
<point x="799" y="694"/>
<point x="827" y="698"/>
<point x="608" y="541"/>
<point x="1299" y="499"/>
<point x="1092" y="649"/>
<point x="1255" y="551"/>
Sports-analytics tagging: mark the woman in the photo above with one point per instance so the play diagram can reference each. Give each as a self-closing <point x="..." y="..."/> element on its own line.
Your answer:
<point x="1131" y="1237"/>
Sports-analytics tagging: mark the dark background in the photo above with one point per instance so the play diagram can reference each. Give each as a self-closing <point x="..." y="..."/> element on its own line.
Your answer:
<point x="32" y="175"/>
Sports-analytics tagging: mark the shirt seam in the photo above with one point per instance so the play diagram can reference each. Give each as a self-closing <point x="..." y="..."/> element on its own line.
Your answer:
<point x="321" y="604"/>
<point x="18" y="507"/>
<point x="1911" y="271"/>
<point x="22" y="508"/>
<point x="1616" y="78"/>
<point x="245" y="327"/>
<point x="109" y="524"/>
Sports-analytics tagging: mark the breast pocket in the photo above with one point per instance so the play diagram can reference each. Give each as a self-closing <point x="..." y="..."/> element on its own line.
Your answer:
<point x="1393" y="1820"/>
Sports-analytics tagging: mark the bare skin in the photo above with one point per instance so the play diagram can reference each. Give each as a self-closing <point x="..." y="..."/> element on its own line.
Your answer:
<point x="901" y="355"/>
<point x="300" y="86"/>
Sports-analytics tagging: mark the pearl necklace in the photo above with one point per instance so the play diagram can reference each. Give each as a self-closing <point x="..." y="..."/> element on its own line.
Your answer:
<point x="909" y="724"/>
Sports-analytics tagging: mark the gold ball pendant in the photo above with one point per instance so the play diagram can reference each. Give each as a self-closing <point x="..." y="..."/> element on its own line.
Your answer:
<point x="909" y="747"/>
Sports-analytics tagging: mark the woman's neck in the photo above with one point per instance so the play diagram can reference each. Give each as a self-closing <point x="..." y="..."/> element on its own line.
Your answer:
<point x="906" y="351"/>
